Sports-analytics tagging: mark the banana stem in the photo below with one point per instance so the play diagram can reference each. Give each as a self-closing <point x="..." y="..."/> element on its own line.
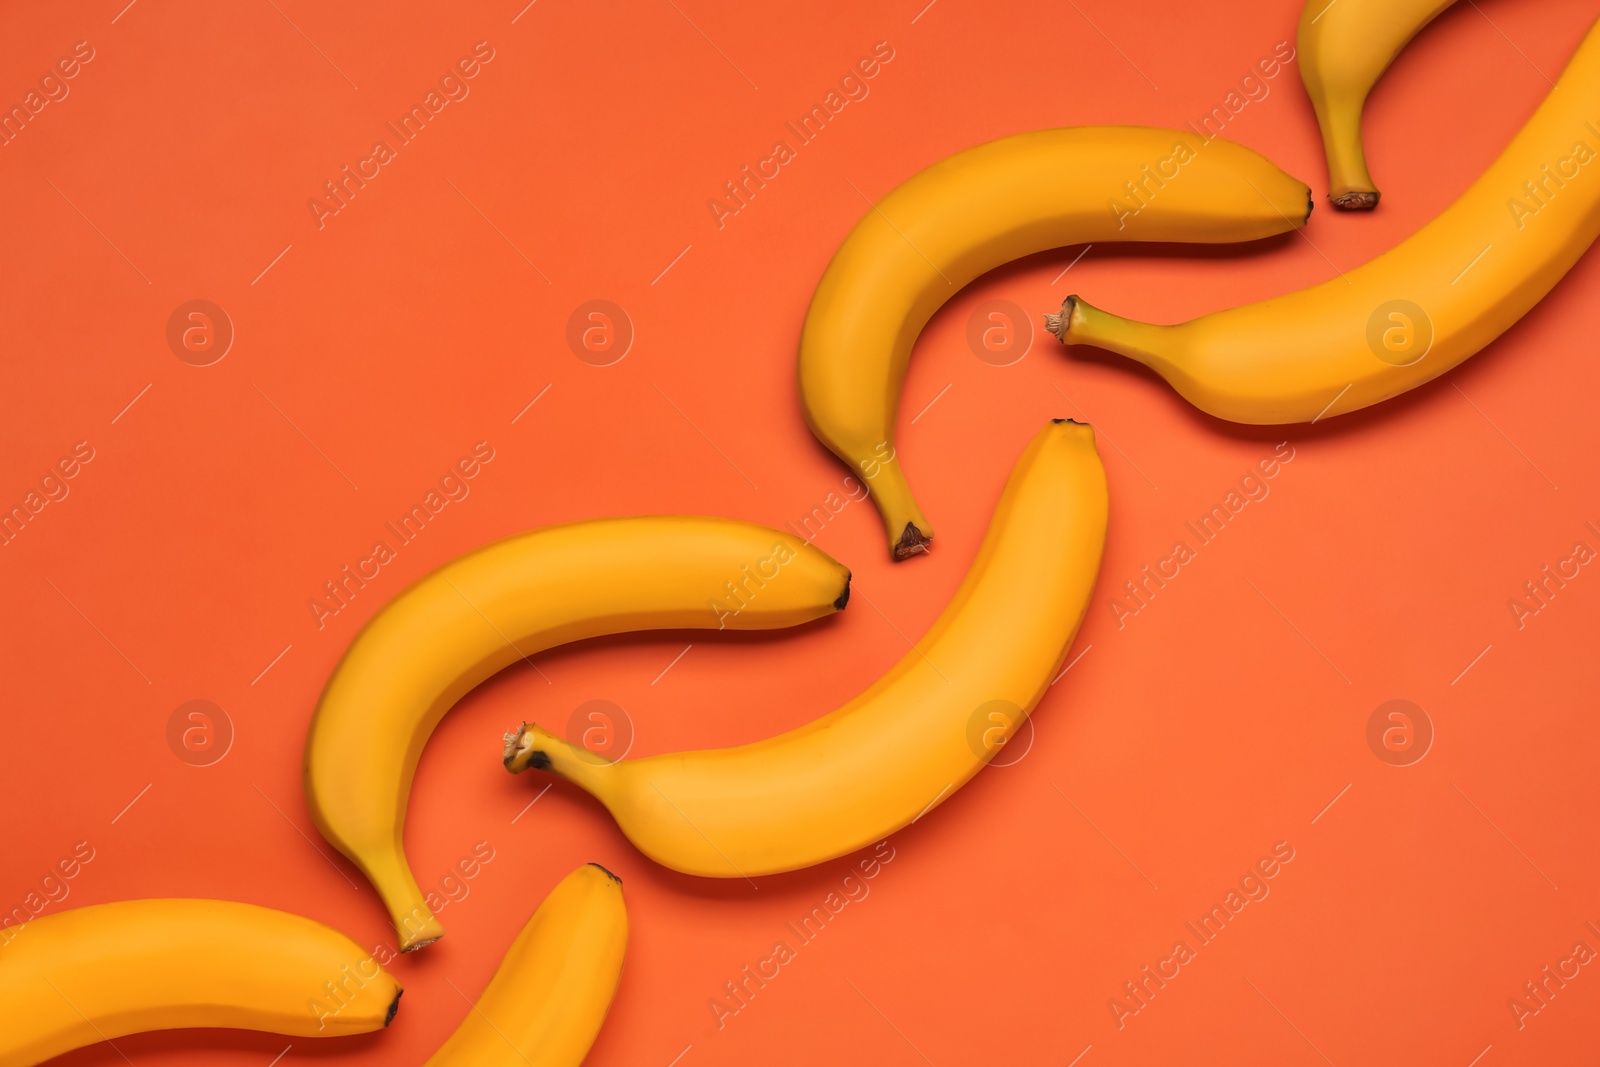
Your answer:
<point x="1080" y="323"/>
<point x="533" y="746"/>
<point x="414" y="923"/>
<point x="909" y="531"/>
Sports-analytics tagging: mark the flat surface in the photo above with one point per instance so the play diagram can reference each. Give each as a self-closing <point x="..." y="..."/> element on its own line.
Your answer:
<point x="370" y="352"/>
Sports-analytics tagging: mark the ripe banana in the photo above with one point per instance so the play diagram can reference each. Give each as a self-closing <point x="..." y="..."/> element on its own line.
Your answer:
<point x="915" y="736"/>
<point x="984" y="207"/>
<point x="1411" y="314"/>
<point x="1344" y="47"/>
<point x="545" y="1004"/>
<point x="98" y="973"/>
<point x="453" y="628"/>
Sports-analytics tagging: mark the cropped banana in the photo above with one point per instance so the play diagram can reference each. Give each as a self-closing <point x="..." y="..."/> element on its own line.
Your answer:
<point x="1344" y="46"/>
<point x="914" y="737"/>
<point x="979" y="209"/>
<point x="506" y="601"/>
<point x="545" y="1004"/>
<point x="1411" y="314"/>
<point x="93" y="974"/>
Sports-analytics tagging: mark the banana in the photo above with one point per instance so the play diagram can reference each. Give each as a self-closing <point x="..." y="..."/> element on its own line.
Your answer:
<point x="979" y="209"/>
<point x="546" y="1002"/>
<point x="1344" y="46"/>
<point x="506" y="601"/>
<point x="98" y="973"/>
<point x="1411" y="314"/>
<point x="909" y="741"/>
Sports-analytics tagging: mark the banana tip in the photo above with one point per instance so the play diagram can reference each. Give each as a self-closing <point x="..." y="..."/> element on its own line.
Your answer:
<point x="912" y="542"/>
<point x="1356" y="200"/>
<point x="394" y="1006"/>
<point x="838" y="605"/>
<point x="1059" y="324"/>
<point x="607" y="873"/>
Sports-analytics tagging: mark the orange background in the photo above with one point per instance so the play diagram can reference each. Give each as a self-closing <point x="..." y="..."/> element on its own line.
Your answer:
<point x="1220" y="720"/>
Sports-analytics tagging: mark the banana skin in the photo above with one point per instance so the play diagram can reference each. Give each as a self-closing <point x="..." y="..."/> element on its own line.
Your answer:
<point x="977" y="210"/>
<point x="458" y="625"/>
<point x="98" y="973"/>
<point x="1411" y="314"/>
<point x="1344" y="46"/>
<point x="908" y="742"/>
<point x="547" y="1001"/>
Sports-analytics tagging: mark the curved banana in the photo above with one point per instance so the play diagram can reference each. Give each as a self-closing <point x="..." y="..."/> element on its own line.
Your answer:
<point x="98" y="973"/>
<point x="1344" y="46"/>
<point x="546" y="1002"/>
<point x="1411" y="314"/>
<point x="984" y="207"/>
<point x="909" y="741"/>
<point x="479" y="613"/>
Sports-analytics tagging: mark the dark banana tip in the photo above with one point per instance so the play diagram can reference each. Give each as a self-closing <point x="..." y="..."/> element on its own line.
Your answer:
<point x="912" y="541"/>
<point x="394" y="1006"/>
<point x="1074" y="422"/>
<point x="1362" y="201"/>
<point x="607" y="873"/>
<point x="844" y="597"/>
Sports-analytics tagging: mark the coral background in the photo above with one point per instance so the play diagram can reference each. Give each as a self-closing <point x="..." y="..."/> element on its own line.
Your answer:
<point x="1228" y="715"/>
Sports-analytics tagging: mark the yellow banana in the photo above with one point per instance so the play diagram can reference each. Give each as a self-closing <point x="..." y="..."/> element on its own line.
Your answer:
<point x="545" y="1004"/>
<point x="506" y="601"/>
<point x="98" y="973"/>
<point x="1411" y="314"/>
<point x="982" y="208"/>
<point x="909" y="741"/>
<point x="1344" y="46"/>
